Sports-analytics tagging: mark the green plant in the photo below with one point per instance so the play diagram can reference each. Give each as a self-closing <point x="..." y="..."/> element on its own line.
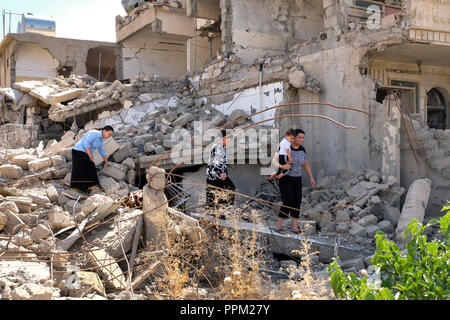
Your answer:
<point x="420" y="273"/>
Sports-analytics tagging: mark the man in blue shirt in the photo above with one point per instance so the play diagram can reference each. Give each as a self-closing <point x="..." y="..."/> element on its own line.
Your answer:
<point x="84" y="173"/>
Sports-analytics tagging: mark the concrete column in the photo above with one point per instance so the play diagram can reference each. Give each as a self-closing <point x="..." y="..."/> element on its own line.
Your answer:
<point x="414" y="207"/>
<point x="390" y="157"/>
<point x="155" y="209"/>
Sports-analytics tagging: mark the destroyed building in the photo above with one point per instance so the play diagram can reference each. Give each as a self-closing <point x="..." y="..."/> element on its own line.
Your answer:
<point x="377" y="69"/>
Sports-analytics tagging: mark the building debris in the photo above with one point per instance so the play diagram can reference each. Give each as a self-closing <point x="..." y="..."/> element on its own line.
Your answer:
<point x="393" y="167"/>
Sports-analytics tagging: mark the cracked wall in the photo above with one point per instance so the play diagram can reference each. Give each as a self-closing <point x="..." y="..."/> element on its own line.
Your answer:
<point x="265" y="27"/>
<point x="155" y="55"/>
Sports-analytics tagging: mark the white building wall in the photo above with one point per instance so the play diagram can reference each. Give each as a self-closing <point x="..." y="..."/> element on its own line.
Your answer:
<point x="34" y="62"/>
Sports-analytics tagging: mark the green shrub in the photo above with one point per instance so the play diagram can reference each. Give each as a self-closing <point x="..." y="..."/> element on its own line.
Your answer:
<point x="422" y="273"/>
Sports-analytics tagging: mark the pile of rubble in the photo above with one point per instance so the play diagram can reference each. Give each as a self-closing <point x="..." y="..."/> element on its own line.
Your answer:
<point x="57" y="243"/>
<point x="354" y="206"/>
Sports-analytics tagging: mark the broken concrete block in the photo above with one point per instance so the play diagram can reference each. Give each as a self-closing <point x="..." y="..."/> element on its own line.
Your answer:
<point x="368" y="220"/>
<point x="108" y="268"/>
<point x="169" y="144"/>
<point x="24" y="204"/>
<point x="156" y="178"/>
<point x="57" y="160"/>
<point x="115" y="171"/>
<point x="39" y="199"/>
<point x="22" y="160"/>
<point x="43" y="93"/>
<point x="159" y="150"/>
<point x="131" y="177"/>
<point x="371" y="230"/>
<point x="127" y="104"/>
<point x="12" y="221"/>
<point x="165" y="129"/>
<point x="93" y="202"/>
<point x="110" y="147"/>
<point x="145" y="97"/>
<point x="67" y="141"/>
<point x="149" y="148"/>
<point x="64" y="96"/>
<point x="66" y="153"/>
<point x="60" y="219"/>
<point x="109" y="184"/>
<point x="28" y="291"/>
<point x="342" y="216"/>
<point x="391" y="214"/>
<point x="122" y="230"/>
<point x="123" y="152"/>
<point x="385" y="226"/>
<point x="297" y="79"/>
<point x="129" y="163"/>
<point x="357" y="230"/>
<point x="73" y="206"/>
<point x="40" y="232"/>
<point x="183" y="120"/>
<point x="88" y="280"/>
<point x="358" y="264"/>
<point x="27" y="86"/>
<point x="414" y="206"/>
<point x="11" y="171"/>
<point x="52" y="194"/>
<point x="342" y="227"/>
<point x="3" y="220"/>
<point x="39" y="164"/>
<point x="237" y="114"/>
<point x="17" y="97"/>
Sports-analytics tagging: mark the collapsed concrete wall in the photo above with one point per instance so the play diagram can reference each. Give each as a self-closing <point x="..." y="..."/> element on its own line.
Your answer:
<point x="35" y="56"/>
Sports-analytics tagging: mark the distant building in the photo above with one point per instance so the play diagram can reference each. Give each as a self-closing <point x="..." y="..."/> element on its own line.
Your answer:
<point x="36" y="54"/>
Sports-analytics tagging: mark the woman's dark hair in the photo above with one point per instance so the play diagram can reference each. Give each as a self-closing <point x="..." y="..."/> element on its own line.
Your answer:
<point x="298" y="131"/>
<point x="106" y="128"/>
<point x="223" y="132"/>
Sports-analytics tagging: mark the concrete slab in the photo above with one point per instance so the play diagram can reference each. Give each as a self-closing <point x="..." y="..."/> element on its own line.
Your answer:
<point x="65" y="95"/>
<point x="286" y="243"/>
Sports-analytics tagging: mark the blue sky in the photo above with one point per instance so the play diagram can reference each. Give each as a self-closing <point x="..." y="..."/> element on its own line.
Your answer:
<point x="77" y="19"/>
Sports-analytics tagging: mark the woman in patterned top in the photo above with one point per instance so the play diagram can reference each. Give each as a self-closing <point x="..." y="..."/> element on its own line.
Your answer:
<point x="217" y="175"/>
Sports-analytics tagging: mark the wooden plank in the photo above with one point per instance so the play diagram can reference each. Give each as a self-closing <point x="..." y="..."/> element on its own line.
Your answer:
<point x="135" y="243"/>
<point x="143" y="276"/>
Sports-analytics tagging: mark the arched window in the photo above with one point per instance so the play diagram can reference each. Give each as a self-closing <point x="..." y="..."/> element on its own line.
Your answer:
<point x="436" y="110"/>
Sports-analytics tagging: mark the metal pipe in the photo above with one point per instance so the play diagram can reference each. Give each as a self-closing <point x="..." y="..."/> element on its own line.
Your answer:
<point x="99" y="65"/>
